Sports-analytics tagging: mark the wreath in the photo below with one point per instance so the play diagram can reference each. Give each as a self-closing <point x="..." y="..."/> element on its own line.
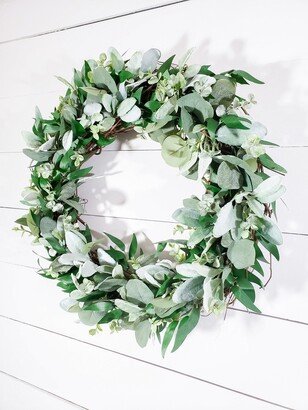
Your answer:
<point x="205" y="130"/>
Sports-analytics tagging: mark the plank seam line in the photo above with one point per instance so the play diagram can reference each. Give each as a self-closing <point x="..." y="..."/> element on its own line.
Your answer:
<point x="147" y="362"/>
<point x="95" y="21"/>
<point x="14" y="208"/>
<point x="34" y="386"/>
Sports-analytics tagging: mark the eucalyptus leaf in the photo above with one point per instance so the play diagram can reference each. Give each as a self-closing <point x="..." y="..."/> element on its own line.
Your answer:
<point x="242" y="253"/>
<point x="101" y="77"/>
<point x="198" y="105"/>
<point x="90" y="318"/>
<point x="175" y="151"/>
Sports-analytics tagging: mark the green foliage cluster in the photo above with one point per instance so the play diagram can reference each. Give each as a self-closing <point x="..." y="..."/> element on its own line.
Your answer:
<point x="204" y="129"/>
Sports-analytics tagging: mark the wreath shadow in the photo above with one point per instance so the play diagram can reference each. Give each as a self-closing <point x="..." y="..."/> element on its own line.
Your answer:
<point x="273" y="97"/>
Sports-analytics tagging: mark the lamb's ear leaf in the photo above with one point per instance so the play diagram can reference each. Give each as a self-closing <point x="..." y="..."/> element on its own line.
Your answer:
<point x="143" y="332"/>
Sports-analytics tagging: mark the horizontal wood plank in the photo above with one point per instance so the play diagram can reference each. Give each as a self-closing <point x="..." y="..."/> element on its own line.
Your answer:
<point x="19" y="395"/>
<point x="89" y="376"/>
<point x="43" y="57"/>
<point x="14" y="15"/>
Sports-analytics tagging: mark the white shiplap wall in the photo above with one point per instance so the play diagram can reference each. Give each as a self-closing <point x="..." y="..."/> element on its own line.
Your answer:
<point x="249" y="361"/>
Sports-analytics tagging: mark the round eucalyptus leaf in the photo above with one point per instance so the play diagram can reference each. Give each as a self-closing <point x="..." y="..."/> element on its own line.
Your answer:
<point x="175" y="151"/>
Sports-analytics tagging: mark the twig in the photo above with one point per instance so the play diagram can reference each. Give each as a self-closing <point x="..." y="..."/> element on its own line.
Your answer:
<point x="271" y="270"/>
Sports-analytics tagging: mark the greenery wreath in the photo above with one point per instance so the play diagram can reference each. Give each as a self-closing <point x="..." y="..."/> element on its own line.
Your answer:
<point x="204" y="129"/>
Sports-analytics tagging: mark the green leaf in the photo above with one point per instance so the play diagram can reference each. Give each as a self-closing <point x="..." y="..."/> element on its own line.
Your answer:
<point x="164" y="307"/>
<point x="228" y="177"/>
<point x="164" y="110"/>
<point x="133" y="247"/>
<point x="269" y="190"/>
<point x="40" y="156"/>
<point x="223" y="91"/>
<point x="168" y="336"/>
<point x="34" y="228"/>
<point x="166" y="65"/>
<point x="103" y="141"/>
<point x="115" y="314"/>
<point x="198" y="105"/>
<point x="186" y="325"/>
<point x="251" y="176"/>
<point x="175" y="151"/>
<point x="89" y="318"/>
<point x="242" y="253"/>
<point x="117" y="61"/>
<point x="125" y="75"/>
<point x="116" y="241"/>
<point x="75" y="242"/>
<point x="77" y="128"/>
<point x="99" y="306"/>
<point x="271" y="232"/>
<point x="125" y="106"/>
<point x="246" y="76"/>
<point x="47" y="225"/>
<point x="189" y="290"/>
<point x="138" y="292"/>
<point x="268" y="163"/>
<point x="79" y="173"/>
<point x="187" y="121"/>
<point x="234" y="121"/>
<point x="32" y="140"/>
<point x="101" y="77"/>
<point x="271" y="248"/>
<point x="150" y="60"/>
<point x="143" y="332"/>
<point x="127" y="307"/>
<point x="243" y="297"/>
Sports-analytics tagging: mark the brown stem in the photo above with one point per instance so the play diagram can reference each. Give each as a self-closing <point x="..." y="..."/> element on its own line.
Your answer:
<point x="271" y="270"/>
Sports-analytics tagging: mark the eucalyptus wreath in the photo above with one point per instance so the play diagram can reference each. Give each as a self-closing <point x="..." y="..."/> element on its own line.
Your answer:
<point x="204" y="130"/>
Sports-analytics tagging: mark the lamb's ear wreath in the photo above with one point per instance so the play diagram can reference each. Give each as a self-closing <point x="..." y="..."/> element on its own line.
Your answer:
<point x="205" y="130"/>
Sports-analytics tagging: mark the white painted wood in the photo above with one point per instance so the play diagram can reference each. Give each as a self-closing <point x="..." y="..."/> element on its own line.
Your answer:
<point x="32" y="17"/>
<point x="225" y="44"/>
<point x="17" y="395"/>
<point x="260" y="337"/>
<point x="257" y="355"/>
<point x="89" y="376"/>
<point x="140" y="185"/>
